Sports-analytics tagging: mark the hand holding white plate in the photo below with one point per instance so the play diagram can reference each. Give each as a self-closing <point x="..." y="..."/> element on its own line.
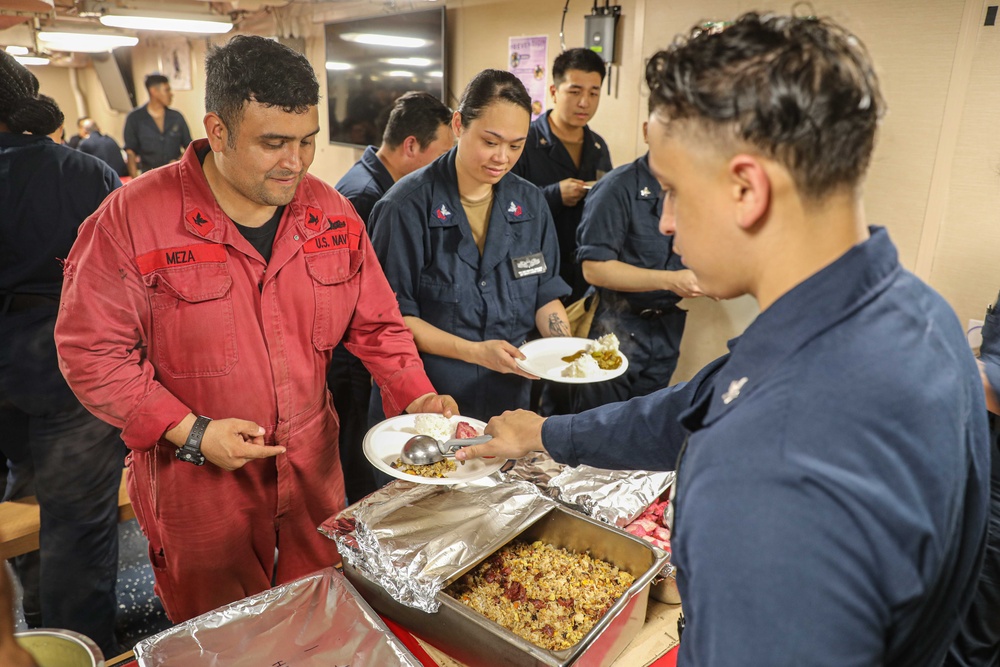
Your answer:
<point x="544" y="358"/>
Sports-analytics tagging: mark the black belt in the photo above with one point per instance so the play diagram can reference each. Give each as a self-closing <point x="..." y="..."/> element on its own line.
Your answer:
<point x="18" y="303"/>
<point x="653" y="313"/>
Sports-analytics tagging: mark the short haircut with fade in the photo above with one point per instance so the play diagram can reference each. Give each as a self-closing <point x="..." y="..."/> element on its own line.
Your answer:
<point x="583" y="60"/>
<point x="249" y="68"/>
<point x="415" y="114"/>
<point x="801" y="90"/>
<point x="155" y="80"/>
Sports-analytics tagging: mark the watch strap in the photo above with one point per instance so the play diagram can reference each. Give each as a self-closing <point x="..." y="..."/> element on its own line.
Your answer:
<point x="191" y="451"/>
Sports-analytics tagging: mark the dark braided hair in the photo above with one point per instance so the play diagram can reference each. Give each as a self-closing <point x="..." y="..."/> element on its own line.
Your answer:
<point x="22" y="109"/>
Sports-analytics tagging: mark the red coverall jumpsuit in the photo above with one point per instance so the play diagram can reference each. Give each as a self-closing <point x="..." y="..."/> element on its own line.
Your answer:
<point x="167" y="309"/>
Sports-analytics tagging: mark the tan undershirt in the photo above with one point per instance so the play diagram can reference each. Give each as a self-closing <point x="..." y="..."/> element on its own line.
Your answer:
<point x="575" y="150"/>
<point x="478" y="213"/>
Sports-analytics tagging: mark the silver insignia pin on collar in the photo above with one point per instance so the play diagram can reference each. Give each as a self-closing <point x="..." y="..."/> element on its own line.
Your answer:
<point x="734" y="390"/>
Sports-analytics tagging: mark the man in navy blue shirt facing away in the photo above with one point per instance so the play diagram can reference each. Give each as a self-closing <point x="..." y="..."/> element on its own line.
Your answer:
<point x="418" y="131"/>
<point x="831" y="495"/>
<point x="103" y="147"/>
<point x="55" y="449"/>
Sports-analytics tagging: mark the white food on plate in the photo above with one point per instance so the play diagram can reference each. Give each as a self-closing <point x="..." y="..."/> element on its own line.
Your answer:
<point x="584" y="366"/>
<point x="436" y="426"/>
<point x="606" y="343"/>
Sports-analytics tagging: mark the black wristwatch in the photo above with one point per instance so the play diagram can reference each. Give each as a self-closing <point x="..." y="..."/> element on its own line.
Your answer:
<point x="191" y="451"/>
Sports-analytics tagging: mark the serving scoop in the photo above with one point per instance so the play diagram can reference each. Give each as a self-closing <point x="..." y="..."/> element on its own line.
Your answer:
<point x="422" y="450"/>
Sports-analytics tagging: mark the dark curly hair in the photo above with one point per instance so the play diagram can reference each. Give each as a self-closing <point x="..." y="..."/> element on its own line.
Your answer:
<point x="801" y="90"/>
<point x="22" y="109"/>
<point x="249" y="68"/>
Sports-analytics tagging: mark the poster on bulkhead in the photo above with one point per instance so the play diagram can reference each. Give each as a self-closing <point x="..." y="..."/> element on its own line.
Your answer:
<point x="529" y="62"/>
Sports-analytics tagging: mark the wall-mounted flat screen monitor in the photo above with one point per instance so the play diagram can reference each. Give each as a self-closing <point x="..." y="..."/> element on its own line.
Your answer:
<point x="372" y="61"/>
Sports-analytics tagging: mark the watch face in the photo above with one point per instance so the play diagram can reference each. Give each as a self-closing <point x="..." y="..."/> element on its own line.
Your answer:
<point x="188" y="456"/>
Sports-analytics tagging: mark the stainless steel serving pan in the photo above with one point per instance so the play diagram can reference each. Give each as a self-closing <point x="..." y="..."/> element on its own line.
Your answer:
<point x="477" y="641"/>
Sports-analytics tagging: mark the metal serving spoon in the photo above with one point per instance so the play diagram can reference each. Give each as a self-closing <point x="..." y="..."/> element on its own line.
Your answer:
<point x="422" y="450"/>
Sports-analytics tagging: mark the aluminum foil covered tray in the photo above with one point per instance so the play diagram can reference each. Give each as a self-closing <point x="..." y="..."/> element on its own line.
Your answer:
<point x="317" y="621"/>
<point x="475" y="640"/>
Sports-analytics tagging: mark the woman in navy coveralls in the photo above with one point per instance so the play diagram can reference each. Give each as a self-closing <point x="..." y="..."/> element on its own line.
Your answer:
<point x="472" y="292"/>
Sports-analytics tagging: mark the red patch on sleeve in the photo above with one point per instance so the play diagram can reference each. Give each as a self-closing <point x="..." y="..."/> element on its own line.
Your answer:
<point x="193" y="254"/>
<point x="341" y="234"/>
<point x="315" y="219"/>
<point x="200" y="222"/>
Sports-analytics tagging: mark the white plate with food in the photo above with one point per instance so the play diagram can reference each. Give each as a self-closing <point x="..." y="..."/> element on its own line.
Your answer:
<point x="384" y="442"/>
<point x="574" y="360"/>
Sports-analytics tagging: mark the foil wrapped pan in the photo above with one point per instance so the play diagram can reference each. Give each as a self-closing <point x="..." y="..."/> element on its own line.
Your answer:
<point x="411" y="539"/>
<point x="615" y="497"/>
<point x="316" y="621"/>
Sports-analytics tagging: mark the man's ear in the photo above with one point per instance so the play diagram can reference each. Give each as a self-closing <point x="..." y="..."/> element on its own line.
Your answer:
<point x="411" y="146"/>
<point x="552" y="91"/>
<point x="217" y="132"/>
<point x="751" y="189"/>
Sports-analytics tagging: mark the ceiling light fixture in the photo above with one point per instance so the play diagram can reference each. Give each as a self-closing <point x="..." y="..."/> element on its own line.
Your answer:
<point x="338" y="67"/>
<point x="32" y="60"/>
<point x="376" y="39"/>
<point x="84" y="42"/>
<point x="205" y="24"/>
<point x="17" y="50"/>
<point x="399" y="73"/>
<point x="408" y="62"/>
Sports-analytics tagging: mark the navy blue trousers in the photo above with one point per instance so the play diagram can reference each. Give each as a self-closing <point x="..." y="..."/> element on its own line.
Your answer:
<point x="978" y="641"/>
<point x="72" y="462"/>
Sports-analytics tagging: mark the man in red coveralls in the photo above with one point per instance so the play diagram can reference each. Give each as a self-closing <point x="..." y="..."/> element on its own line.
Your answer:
<point x="219" y="286"/>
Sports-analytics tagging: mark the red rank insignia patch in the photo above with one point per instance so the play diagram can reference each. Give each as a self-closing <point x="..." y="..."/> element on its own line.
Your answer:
<point x="201" y="224"/>
<point x="314" y="219"/>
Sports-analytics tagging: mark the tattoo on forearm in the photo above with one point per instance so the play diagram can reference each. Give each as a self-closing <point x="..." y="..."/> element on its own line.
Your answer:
<point x="557" y="326"/>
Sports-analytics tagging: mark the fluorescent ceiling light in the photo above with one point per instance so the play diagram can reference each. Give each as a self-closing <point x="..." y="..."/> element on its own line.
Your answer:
<point x="142" y="20"/>
<point x="338" y="67"/>
<point x="31" y="60"/>
<point x="383" y="40"/>
<point x="399" y="72"/>
<point x="84" y="42"/>
<point x="408" y="62"/>
<point x="17" y="50"/>
<point x="436" y="74"/>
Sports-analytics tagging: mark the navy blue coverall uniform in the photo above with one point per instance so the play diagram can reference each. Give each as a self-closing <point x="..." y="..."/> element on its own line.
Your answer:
<point x="423" y="239"/>
<point x="545" y="162"/>
<point x="56" y="450"/>
<point x="831" y="501"/>
<point x="621" y="218"/>
<point x="348" y="379"/>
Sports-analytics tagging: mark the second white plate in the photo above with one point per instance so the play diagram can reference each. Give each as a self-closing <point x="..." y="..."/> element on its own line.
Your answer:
<point x="544" y="359"/>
